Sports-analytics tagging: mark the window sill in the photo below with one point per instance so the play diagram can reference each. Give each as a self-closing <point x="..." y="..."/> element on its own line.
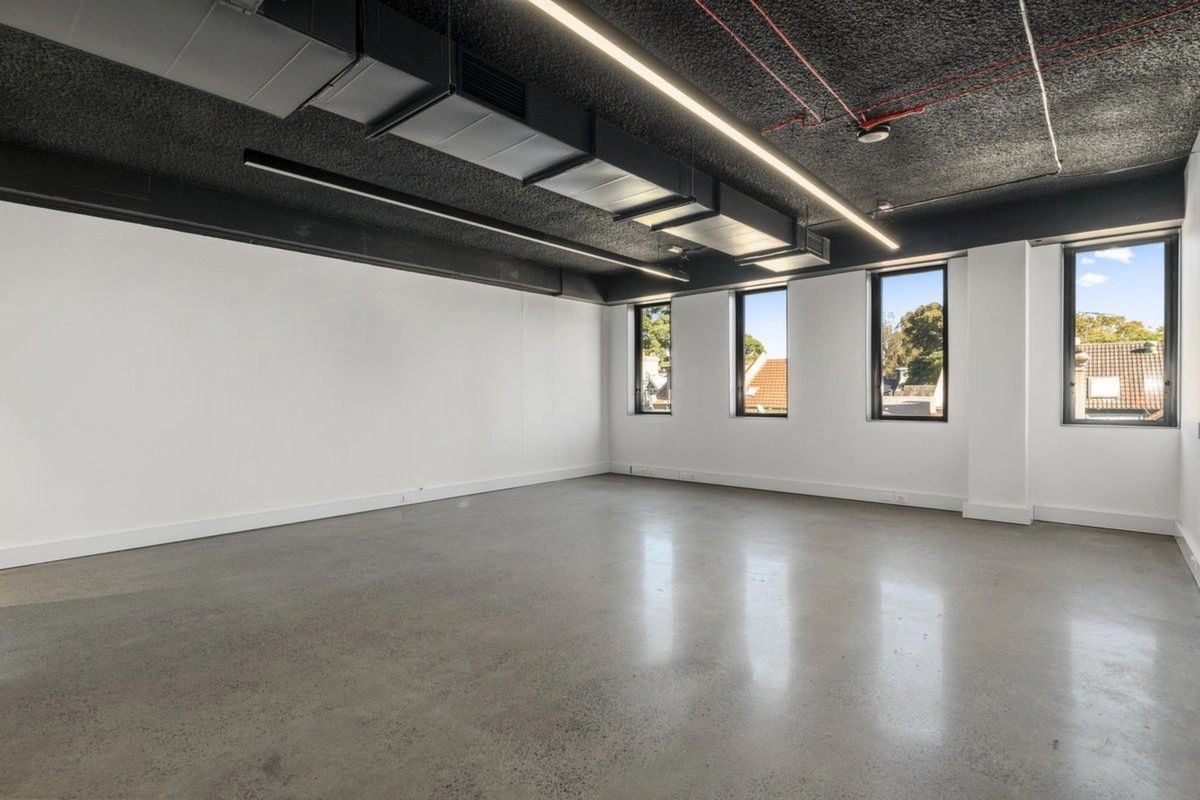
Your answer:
<point x="1118" y="425"/>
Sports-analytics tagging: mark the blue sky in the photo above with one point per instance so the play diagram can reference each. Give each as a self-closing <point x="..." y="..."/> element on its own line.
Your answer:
<point x="1122" y="280"/>
<point x="903" y="293"/>
<point x="766" y="320"/>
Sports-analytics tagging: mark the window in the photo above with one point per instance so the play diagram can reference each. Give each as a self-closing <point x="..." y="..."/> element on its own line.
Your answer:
<point x="909" y="349"/>
<point x="652" y="359"/>
<point x="1119" y="338"/>
<point x="760" y="353"/>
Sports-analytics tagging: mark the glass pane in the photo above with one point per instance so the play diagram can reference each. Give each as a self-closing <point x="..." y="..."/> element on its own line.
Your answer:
<point x="655" y="353"/>
<point x="1120" y="313"/>
<point x="913" y="340"/>
<point x="764" y="353"/>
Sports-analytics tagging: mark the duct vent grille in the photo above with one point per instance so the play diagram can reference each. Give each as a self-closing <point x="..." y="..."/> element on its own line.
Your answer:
<point x="492" y="85"/>
<point x="816" y="244"/>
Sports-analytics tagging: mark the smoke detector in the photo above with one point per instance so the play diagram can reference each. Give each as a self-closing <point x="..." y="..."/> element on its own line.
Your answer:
<point x="874" y="134"/>
<point x="885" y="206"/>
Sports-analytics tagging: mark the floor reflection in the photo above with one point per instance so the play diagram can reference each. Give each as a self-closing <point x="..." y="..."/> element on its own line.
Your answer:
<point x="768" y="621"/>
<point x="1113" y="676"/>
<point x="911" y="688"/>
<point x="658" y="598"/>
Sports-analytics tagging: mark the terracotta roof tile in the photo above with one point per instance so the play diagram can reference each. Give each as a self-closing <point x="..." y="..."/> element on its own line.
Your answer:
<point x="1138" y="370"/>
<point x="767" y="386"/>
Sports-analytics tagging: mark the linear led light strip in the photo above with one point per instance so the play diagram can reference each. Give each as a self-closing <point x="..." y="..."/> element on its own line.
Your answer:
<point x="319" y="177"/>
<point x="752" y="144"/>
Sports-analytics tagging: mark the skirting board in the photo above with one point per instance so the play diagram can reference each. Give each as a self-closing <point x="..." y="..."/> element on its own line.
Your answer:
<point x="1188" y="554"/>
<point x="1017" y="515"/>
<point x="1014" y="515"/>
<point x="59" y="549"/>
<point x="1105" y="519"/>
<point x="942" y="502"/>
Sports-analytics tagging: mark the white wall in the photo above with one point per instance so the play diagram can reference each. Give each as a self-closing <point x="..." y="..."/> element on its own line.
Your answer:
<point x="1003" y="455"/>
<point x="160" y="385"/>
<point x="1080" y="470"/>
<point x="827" y="445"/>
<point x="1189" y="406"/>
<point x="997" y="354"/>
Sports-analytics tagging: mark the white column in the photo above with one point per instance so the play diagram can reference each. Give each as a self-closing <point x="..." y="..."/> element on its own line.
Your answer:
<point x="998" y="384"/>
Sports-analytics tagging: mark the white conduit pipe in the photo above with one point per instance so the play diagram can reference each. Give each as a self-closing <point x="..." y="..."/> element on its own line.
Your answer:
<point x="1037" y="68"/>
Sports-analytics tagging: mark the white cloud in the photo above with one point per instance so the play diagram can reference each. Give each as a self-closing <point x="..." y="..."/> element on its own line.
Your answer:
<point x="1092" y="279"/>
<point x="1087" y="262"/>
<point x="1122" y="254"/>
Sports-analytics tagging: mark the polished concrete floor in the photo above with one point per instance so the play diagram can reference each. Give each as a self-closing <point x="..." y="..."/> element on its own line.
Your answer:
<point x="609" y="637"/>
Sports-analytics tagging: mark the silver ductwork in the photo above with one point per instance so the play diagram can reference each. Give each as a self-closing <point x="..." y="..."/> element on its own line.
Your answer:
<point x="366" y="62"/>
<point x="214" y="46"/>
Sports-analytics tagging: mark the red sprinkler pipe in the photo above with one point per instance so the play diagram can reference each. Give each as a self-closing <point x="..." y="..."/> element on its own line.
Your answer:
<point x="1010" y="76"/>
<point x="759" y="60"/>
<point x="800" y="56"/>
<point x="873" y="122"/>
<point x="1024" y="56"/>
<point x="859" y="114"/>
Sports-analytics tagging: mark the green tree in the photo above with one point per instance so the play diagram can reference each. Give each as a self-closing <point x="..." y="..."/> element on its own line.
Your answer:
<point x="925" y="369"/>
<point x="1093" y="327"/>
<point x="923" y="327"/>
<point x="753" y="349"/>
<point x="656" y="334"/>
<point x="914" y="342"/>
<point x="896" y="350"/>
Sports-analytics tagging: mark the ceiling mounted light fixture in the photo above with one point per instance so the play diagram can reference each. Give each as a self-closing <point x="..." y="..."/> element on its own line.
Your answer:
<point x="330" y="180"/>
<point x="875" y="134"/>
<point x="617" y="47"/>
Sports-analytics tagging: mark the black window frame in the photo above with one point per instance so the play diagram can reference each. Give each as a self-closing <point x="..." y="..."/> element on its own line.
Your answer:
<point x="637" y="358"/>
<point x="739" y="359"/>
<point x="1170" y="418"/>
<point x="877" y="278"/>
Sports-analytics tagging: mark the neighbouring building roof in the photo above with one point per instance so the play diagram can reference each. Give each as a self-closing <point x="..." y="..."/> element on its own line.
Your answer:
<point x="1137" y="368"/>
<point x="766" y="383"/>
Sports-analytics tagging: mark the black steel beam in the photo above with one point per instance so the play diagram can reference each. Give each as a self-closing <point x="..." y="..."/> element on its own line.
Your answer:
<point x="37" y="177"/>
<point x="382" y="194"/>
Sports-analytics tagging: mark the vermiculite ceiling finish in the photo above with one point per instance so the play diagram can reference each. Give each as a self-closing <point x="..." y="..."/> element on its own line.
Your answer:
<point x="1126" y="97"/>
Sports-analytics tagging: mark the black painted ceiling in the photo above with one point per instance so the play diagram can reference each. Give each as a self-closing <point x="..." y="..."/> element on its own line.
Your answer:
<point x="1116" y="109"/>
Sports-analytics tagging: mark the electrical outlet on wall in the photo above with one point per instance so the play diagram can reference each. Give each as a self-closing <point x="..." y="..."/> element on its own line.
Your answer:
<point x="688" y="476"/>
<point x="409" y="497"/>
<point x="887" y="497"/>
<point x="902" y="499"/>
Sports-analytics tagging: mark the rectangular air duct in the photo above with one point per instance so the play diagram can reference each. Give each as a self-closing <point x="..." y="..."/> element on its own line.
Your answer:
<point x="209" y="45"/>
<point x="623" y="174"/>
<point x="727" y="220"/>
<point x="496" y="120"/>
<point x="401" y="65"/>
<point x="812" y="251"/>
